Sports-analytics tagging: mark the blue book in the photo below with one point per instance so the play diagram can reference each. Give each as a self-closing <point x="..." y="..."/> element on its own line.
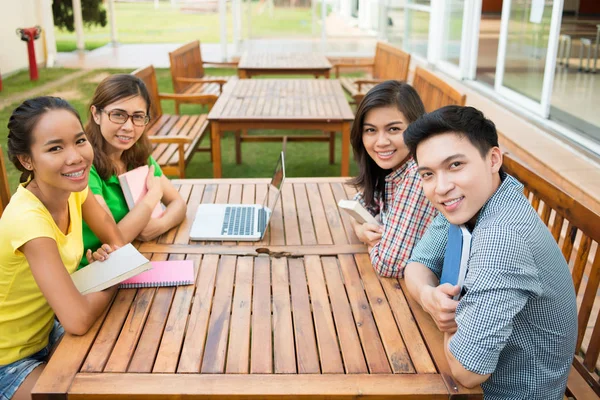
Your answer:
<point x="456" y="256"/>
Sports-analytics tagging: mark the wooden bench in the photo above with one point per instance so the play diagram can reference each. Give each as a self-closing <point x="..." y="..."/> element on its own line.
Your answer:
<point x="187" y="72"/>
<point x="389" y="63"/>
<point x="434" y="92"/>
<point x="175" y="138"/>
<point x="4" y="190"/>
<point x="576" y="229"/>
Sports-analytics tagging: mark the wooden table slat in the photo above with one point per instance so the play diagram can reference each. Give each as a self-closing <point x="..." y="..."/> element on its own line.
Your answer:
<point x="193" y="344"/>
<point x="262" y="348"/>
<point x="238" y="353"/>
<point x="183" y="232"/>
<point x="290" y="215"/>
<point x="318" y="214"/>
<point x="351" y="348"/>
<point x="284" y="353"/>
<point x="243" y="387"/>
<point x="332" y="213"/>
<point x="416" y="346"/>
<point x="367" y="329"/>
<point x="340" y="194"/>
<point x="218" y="326"/>
<point x="109" y="332"/>
<point x="329" y="351"/>
<point x="172" y="339"/>
<point x="305" y="219"/>
<point x="307" y="355"/>
<point x="388" y="330"/>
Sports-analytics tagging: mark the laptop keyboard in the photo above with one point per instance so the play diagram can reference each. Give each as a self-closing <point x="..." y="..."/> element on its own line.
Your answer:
<point x="238" y="221"/>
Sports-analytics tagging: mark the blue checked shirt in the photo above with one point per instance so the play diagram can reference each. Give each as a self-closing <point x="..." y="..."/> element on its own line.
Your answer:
<point x="518" y="317"/>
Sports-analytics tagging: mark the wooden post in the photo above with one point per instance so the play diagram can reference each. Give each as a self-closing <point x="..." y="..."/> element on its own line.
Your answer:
<point x="48" y="30"/>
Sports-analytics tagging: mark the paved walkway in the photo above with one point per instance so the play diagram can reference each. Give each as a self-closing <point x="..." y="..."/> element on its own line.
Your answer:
<point x="18" y="97"/>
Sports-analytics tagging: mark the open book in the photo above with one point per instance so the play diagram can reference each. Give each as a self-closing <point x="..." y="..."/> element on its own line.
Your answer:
<point x="456" y="257"/>
<point x="120" y="265"/>
<point x="357" y="211"/>
<point x="133" y="184"/>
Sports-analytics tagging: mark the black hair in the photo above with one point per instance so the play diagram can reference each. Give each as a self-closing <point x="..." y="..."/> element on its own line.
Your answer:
<point x="22" y="122"/>
<point x="371" y="177"/>
<point x="465" y="121"/>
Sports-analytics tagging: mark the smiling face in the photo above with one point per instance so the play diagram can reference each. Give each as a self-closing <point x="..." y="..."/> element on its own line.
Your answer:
<point x="456" y="179"/>
<point x="382" y="136"/>
<point x="60" y="156"/>
<point x="120" y="137"/>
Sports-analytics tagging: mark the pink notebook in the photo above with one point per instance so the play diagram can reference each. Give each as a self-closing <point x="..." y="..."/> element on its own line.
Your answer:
<point x="163" y="273"/>
<point x="133" y="184"/>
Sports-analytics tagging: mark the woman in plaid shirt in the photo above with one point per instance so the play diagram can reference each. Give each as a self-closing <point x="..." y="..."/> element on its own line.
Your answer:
<point x="388" y="184"/>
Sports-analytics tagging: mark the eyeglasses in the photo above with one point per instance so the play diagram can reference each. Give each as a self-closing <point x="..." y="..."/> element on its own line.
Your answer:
<point x="121" y="117"/>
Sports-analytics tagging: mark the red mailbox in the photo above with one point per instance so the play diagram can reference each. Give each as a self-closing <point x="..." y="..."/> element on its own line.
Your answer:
<point x="29" y="35"/>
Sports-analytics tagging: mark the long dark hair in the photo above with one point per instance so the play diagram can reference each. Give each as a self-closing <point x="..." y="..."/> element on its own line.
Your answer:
<point x="111" y="89"/>
<point x="371" y="177"/>
<point x="21" y="124"/>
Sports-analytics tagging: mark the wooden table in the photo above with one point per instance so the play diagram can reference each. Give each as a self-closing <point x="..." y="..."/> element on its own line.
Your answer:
<point x="252" y="64"/>
<point x="287" y="104"/>
<point x="301" y="314"/>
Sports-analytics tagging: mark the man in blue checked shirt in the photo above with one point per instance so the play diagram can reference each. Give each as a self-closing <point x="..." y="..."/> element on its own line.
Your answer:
<point x="514" y="328"/>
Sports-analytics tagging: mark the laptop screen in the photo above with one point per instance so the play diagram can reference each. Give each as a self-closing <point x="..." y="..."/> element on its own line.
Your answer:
<point x="274" y="188"/>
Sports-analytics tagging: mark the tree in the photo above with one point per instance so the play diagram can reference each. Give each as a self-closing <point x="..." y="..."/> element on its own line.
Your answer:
<point x="93" y="13"/>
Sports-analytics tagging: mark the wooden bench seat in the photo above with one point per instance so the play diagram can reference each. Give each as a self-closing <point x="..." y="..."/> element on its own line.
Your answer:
<point x="175" y="138"/>
<point x="187" y="72"/>
<point x="576" y="229"/>
<point x="389" y="63"/>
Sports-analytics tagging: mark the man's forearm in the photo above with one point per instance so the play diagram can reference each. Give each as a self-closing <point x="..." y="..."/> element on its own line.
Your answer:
<point x="461" y="374"/>
<point x="418" y="277"/>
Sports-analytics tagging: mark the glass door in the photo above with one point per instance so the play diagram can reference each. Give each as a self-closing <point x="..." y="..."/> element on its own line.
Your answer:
<point x="457" y="37"/>
<point x="527" y="52"/>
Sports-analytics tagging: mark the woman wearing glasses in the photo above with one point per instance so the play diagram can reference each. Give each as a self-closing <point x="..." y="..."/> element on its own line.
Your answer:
<point x="119" y="113"/>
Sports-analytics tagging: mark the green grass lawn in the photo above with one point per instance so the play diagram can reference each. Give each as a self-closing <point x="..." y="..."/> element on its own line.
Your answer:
<point x="141" y="23"/>
<point x="20" y="81"/>
<point x="302" y="158"/>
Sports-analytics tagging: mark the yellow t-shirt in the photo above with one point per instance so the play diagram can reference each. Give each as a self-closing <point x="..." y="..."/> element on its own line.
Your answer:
<point x="26" y="318"/>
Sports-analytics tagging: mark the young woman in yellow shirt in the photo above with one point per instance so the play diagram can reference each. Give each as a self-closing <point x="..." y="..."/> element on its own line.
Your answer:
<point x="41" y="240"/>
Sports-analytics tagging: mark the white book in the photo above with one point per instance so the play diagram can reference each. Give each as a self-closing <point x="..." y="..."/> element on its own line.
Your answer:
<point x="357" y="211"/>
<point x="120" y="265"/>
<point x="464" y="257"/>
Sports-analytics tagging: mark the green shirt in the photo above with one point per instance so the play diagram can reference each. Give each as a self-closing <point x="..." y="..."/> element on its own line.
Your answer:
<point x="110" y="190"/>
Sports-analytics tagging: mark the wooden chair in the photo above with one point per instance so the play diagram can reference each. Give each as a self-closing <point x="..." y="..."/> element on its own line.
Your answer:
<point x="187" y="72"/>
<point x="434" y="92"/>
<point x="4" y="190"/>
<point x="575" y="228"/>
<point x="175" y="138"/>
<point x="389" y="63"/>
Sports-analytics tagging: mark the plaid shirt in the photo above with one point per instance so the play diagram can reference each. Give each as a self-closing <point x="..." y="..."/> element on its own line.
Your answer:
<point x="406" y="216"/>
<point x="518" y="317"/>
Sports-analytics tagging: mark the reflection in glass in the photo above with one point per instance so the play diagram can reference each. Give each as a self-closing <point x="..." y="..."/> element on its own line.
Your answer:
<point x="452" y="31"/>
<point x="417" y="32"/>
<point x="526" y="48"/>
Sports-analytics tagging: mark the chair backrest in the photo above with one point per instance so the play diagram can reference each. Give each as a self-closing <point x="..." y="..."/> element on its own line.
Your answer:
<point x="390" y="63"/>
<point x="574" y="227"/>
<point x="4" y="190"/>
<point x="186" y="62"/>
<point x="434" y="92"/>
<point x="148" y="75"/>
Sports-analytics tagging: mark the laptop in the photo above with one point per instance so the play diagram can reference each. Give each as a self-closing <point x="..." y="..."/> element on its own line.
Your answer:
<point x="240" y="222"/>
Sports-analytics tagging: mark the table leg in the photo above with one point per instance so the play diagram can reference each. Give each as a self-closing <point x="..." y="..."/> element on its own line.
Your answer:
<point x="242" y="74"/>
<point x="326" y="74"/>
<point x="346" y="149"/>
<point x="215" y="137"/>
